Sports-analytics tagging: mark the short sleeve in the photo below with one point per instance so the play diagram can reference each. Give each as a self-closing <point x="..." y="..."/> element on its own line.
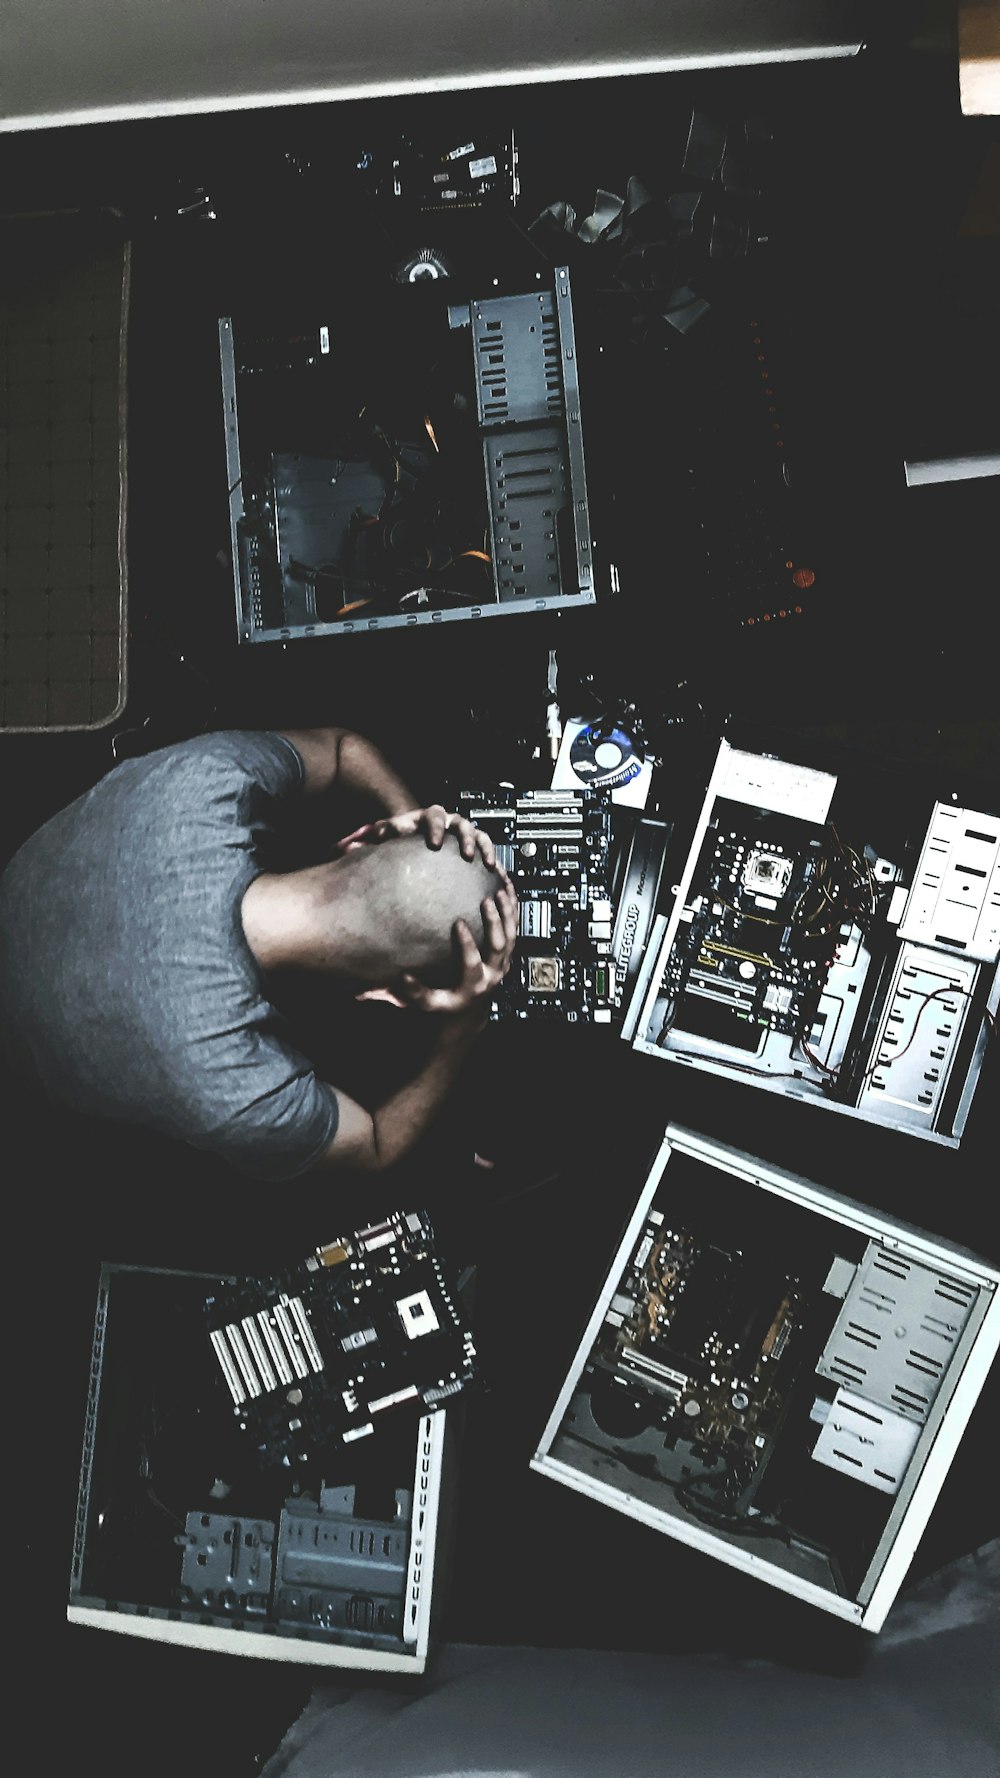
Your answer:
<point x="266" y="759"/>
<point x="281" y="1134"/>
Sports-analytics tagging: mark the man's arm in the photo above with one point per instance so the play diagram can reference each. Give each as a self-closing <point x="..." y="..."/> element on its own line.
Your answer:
<point x="339" y="756"/>
<point x="372" y="1141"/>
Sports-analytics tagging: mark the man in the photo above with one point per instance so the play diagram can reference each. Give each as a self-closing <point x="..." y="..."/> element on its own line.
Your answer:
<point x="141" y="930"/>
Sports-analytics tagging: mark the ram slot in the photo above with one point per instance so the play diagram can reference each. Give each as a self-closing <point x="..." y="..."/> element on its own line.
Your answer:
<point x="256" y="1346"/>
<point x="243" y="1359"/>
<point x="274" y="1346"/>
<point x="227" y="1366"/>
<point x="284" y="1321"/>
<point x="308" y="1338"/>
<point x="657" y="1376"/>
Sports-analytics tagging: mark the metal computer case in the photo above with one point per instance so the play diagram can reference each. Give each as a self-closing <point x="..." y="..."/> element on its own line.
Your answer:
<point x="524" y="367"/>
<point x="896" y="1026"/>
<point x="890" y="1405"/>
<point x="316" y="1551"/>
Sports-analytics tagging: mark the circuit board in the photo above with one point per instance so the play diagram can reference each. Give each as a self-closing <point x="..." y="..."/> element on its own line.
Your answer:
<point x="760" y="928"/>
<point x="321" y="1355"/>
<point x="697" y="1353"/>
<point x="819" y="925"/>
<point x="556" y="846"/>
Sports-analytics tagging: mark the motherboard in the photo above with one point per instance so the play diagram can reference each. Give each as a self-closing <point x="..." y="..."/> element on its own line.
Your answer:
<point x="697" y="1352"/>
<point x="769" y="901"/>
<point x="762" y="1366"/>
<point x="321" y="1355"/>
<point x="556" y="846"/>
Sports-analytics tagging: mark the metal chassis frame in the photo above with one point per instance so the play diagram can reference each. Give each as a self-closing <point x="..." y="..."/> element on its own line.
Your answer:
<point x="275" y="1643"/>
<point x="940" y="1437"/>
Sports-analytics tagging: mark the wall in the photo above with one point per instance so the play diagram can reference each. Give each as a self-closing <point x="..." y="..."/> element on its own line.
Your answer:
<point x="65" y="62"/>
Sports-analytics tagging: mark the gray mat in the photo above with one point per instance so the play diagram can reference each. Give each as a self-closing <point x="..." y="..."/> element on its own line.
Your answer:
<point x="64" y="295"/>
<point x="925" y="1705"/>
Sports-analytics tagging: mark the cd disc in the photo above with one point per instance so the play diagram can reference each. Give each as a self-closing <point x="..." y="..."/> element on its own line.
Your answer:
<point x="604" y="757"/>
<point x="422" y="266"/>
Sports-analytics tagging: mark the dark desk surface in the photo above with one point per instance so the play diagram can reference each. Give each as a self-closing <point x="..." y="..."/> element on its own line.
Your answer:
<point x="899" y="657"/>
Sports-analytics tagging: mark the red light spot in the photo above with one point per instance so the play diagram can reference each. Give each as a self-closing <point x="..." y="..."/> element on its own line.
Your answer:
<point x="767" y="617"/>
<point x="789" y="564"/>
<point x="782" y="614"/>
<point x="803" y="577"/>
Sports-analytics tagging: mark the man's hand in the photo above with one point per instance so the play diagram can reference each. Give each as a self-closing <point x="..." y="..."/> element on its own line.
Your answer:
<point x="433" y="823"/>
<point x="480" y="975"/>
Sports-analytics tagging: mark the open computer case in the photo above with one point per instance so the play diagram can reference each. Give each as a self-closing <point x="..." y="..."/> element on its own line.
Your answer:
<point x="834" y="937"/>
<point x="182" y="1536"/>
<point x="408" y="462"/>
<point x="775" y="1376"/>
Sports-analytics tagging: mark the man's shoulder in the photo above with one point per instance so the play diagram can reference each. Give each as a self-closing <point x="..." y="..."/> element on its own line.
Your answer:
<point x="208" y="773"/>
<point x="252" y="753"/>
<point x="277" y="1130"/>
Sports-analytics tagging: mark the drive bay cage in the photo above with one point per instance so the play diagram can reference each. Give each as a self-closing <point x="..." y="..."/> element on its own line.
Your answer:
<point x="834" y="937"/>
<point x="410" y="463"/>
<point x="775" y="1376"/>
<point x="184" y="1535"/>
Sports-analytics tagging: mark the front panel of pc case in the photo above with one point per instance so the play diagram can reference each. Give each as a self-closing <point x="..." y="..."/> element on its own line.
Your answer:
<point x="182" y="1536"/>
<point x="818" y="950"/>
<point x="775" y="1376"/>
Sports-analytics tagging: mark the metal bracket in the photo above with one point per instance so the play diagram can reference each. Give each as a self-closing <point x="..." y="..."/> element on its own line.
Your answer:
<point x="896" y="1332"/>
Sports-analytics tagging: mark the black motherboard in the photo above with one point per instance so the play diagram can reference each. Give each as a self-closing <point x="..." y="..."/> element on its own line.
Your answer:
<point x="694" y="1364"/>
<point x="556" y="846"/>
<point x="769" y="900"/>
<point x="321" y="1355"/>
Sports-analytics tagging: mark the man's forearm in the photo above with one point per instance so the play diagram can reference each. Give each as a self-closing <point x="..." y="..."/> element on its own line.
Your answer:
<point x="402" y="1120"/>
<point x="337" y="756"/>
<point x="364" y="770"/>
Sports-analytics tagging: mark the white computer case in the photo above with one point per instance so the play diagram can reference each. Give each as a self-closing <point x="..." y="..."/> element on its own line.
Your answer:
<point x="915" y="1439"/>
<point x="151" y="1615"/>
<point x="868" y="1044"/>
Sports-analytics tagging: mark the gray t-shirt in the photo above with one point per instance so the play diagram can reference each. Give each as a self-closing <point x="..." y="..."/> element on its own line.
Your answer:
<point x="126" y="982"/>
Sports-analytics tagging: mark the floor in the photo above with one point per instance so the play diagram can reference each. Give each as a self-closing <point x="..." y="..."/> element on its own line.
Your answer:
<point x="877" y="292"/>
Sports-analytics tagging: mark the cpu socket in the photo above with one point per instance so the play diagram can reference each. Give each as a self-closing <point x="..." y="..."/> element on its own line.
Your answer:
<point x="767" y="873"/>
<point x="544" y="975"/>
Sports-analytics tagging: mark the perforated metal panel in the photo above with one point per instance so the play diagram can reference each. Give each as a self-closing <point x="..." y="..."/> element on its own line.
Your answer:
<point x="527" y="395"/>
<point x="896" y="1332"/>
<point x="866" y="1442"/>
<point x="64" y="290"/>
<point x="518" y="360"/>
<point x="955" y="899"/>
<point x="918" y="1035"/>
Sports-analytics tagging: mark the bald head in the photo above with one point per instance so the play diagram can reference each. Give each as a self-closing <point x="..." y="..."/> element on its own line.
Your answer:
<point x="394" y="905"/>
